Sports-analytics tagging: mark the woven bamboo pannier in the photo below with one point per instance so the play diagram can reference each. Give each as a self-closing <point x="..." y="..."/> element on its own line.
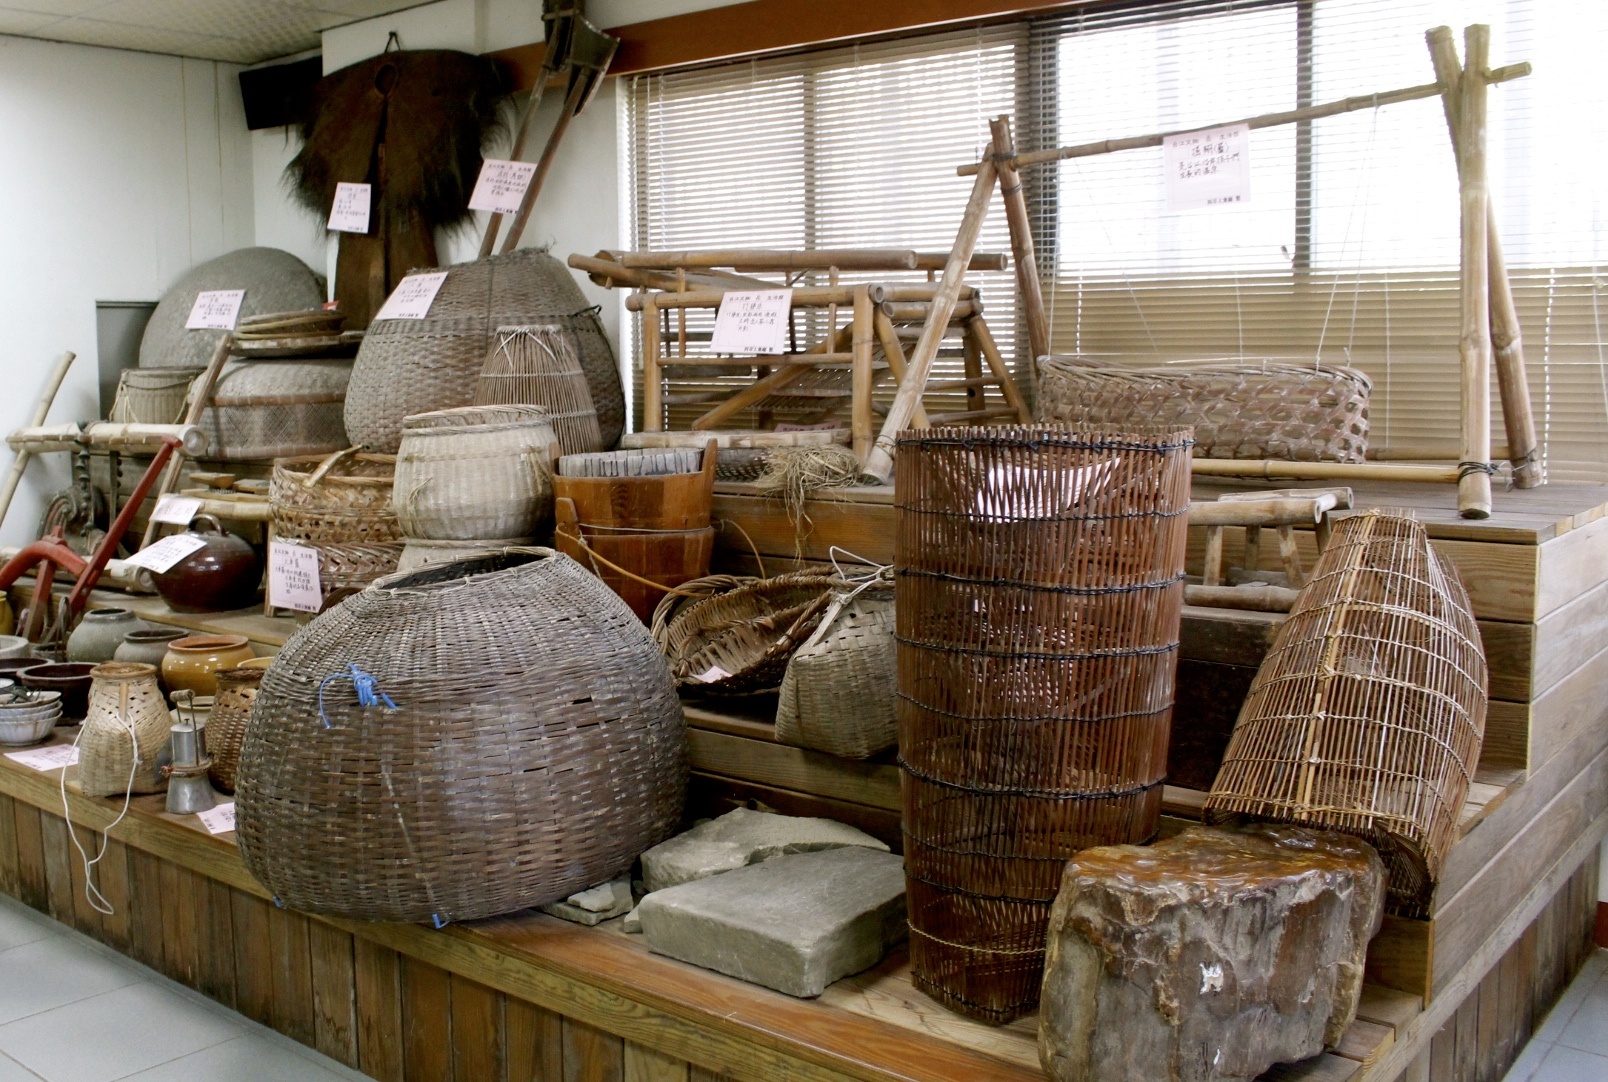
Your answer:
<point x="152" y="396"/>
<point x="525" y="742"/>
<point x="475" y="472"/>
<point x="1368" y="713"/>
<point x="408" y="366"/>
<point x="123" y="732"/>
<point x="838" y="692"/>
<point x="1039" y="583"/>
<point x="277" y="409"/>
<point x="733" y="635"/>
<point x="340" y="505"/>
<point x="226" y="727"/>
<point x="538" y="366"/>
<point x="1238" y="409"/>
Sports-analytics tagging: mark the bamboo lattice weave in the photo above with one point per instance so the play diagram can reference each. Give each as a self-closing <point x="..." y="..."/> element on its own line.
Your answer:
<point x="1368" y="714"/>
<point x="1039" y="582"/>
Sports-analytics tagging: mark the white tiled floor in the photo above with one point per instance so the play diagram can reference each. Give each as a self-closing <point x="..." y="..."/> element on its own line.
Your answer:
<point x="72" y="1010"/>
<point x="1572" y="1044"/>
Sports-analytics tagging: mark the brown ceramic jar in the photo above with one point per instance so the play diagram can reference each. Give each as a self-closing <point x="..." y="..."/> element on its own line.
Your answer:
<point x="191" y="663"/>
<point x="221" y="575"/>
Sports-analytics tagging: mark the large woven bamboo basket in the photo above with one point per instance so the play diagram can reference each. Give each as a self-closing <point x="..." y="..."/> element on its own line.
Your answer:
<point x="340" y="505"/>
<point x="1368" y="713"/>
<point x="733" y="635"/>
<point x="277" y="409"/>
<point x="503" y="765"/>
<point x="538" y="366"/>
<point x="1238" y="409"/>
<point x="1039" y="583"/>
<point x="152" y="396"/>
<point x="408" y="366"/>
<point x="475" y="472"/>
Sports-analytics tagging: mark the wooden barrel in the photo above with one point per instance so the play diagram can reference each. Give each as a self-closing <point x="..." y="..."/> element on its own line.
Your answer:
<point x="675" y="501"/>
<point x="623" y="558"/>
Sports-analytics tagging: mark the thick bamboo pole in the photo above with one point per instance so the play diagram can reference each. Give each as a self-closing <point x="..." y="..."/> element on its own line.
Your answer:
<point x="803" y="296"/>
<point x="1338" y="471"/>
<point x="871" y="259"/>
<point x="996" y="365"/>
<point x="1474" y="346"/>
<point x="1266" y="120"/>
<point x="1507" y="343"/>
<point x="879" y="463"/>
<point x="41" y="411"/>
<point x="1022" y="248"/>
<point x="652" y="378"/>
<point x="864" y="332"/>
<point x="894" y="352"/>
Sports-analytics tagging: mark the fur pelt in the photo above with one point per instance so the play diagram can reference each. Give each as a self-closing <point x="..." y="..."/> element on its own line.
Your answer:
<point x="434" y="110"/>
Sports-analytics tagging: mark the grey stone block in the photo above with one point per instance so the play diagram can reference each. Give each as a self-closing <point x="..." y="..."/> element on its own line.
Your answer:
<point x="794" y="923"/>
<point x="740" y="838"/>
<point x="595" y="904"/>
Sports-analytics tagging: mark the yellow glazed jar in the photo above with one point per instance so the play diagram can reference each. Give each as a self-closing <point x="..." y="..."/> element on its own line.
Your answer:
<point x="191" y="663"/>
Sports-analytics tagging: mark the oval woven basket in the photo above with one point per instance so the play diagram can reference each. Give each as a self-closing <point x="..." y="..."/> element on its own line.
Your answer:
<point x="1239" y="409"/>
<point x="123" y="732"/>
<point x="152" y="396"/>
<point x="408" y="366"/>
<point x="274" y="409"/>
<point x="505" y="764"/>
<point x="840" y="687"/>
<point x="732" y="635"/>
<point x="475" y="472"/>
<point x="340" y="505"/>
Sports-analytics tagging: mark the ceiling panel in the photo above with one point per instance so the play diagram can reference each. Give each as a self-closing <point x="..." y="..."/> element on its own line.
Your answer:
<point x="243" y="31"/>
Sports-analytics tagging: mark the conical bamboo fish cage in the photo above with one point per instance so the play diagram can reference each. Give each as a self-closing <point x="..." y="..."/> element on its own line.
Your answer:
<point x="1368" y="713"/>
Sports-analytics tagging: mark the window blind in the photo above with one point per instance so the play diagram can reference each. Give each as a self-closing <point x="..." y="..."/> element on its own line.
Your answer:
<point x="1346" y="252"/>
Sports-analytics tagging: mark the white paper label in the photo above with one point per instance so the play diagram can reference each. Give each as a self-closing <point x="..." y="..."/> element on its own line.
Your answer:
<point x="293" y="577"/>
<point x="1208" y="168"/>
<point x="215" y="310"/>
<point x="501" y="185"/>
<point x="412" y="297"/>
<point x="161" y="556"/>
<point x="218" y="819"/>
<point x="52" y="758"/>
<point x="752" y="321"/>
<point x="350" y="211"/>
<point x="711" y="674"/>
<point x="176" y="510"/>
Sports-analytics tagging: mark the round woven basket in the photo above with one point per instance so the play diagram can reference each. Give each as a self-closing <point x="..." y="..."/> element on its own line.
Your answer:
<point x="732" y="635"/>
<point x="226" y="728"/>
<point x="475" y="472"/>
<point x="340" y="505"/>
<point x="152" y="396"/>
<point x="274" y="409"/>
<point x="123" y="732"/>
<point x="408" y="366"/>
<point x="504" y="764"/>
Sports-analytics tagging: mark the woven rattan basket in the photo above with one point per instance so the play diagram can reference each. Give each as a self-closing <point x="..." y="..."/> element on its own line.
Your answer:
<point x="538" y="366"/>
<point x="421" y="552"/>
<point x="408" y="366"/>
<point x="1039" y="577"/>
<point x="226" y="728"/>
<point x="475" y="472"/>
<point x="1239" y="409"/>
<point x="840" y="687"/>
<point x="340" y="505"/>
<point x="277" y="409"/>
<point x="124" y="731"/>
<point x="505" y="763"/>
<point x="732" y="635"/>
<point x="1368" y="713"/>
<point x="152" y="396"/>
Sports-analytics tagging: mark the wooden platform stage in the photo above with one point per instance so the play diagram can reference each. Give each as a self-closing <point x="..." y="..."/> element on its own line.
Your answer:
<point x="1452" y="998"/>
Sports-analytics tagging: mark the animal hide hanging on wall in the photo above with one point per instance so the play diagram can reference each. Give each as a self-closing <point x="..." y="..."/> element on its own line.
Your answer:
<point x="412" y="125"/>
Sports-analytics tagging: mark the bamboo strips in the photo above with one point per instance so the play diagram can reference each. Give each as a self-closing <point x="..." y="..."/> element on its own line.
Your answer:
<point x="1022" y="247"/>
<point x="41" y="411"/>
<point x="864" y="376"/>
<point x="1474" y="346"/>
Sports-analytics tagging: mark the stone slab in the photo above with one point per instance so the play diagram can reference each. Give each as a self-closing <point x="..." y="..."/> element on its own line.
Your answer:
<point x="793" y="923"/>
<point x="595" y="904"/>
<point x="742" y="837"/>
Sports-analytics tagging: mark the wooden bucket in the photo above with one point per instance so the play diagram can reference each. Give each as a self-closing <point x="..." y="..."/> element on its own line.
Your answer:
<point x="675" y="501"/>
<point x="624" y="558"/>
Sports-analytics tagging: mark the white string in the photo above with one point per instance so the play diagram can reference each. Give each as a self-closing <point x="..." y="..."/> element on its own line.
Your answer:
<point x="1356" y="194"/>
<point x="92" y="893"/>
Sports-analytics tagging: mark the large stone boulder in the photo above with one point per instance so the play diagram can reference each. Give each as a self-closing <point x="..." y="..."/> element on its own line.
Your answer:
<point x="1210" y="956"/>
<point x="742" y="837"/>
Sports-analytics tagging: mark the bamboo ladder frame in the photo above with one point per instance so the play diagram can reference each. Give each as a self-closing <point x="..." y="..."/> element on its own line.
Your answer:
<point x="1487" y="310"/>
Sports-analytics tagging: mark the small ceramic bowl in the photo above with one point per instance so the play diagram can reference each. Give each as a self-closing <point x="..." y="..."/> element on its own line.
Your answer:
<point x="29" y="723"/>
<point x="71" y="678"/>
<point x="11" y="666"/>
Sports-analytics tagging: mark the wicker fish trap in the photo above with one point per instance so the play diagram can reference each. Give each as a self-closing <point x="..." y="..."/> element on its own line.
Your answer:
<point x="1039" y="584"/>
<point x="408" y="366"/>
<point x="1368" y="713"/>
<point x="524" y="743"/>
<point x="340" y="505"/>
<point x="733" y="635"/>
<point x="1302" y="413"/>
<point x="538" y="366"/>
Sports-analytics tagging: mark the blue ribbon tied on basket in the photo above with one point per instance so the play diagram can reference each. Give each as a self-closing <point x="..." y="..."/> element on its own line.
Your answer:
<point x="365" y="684"/>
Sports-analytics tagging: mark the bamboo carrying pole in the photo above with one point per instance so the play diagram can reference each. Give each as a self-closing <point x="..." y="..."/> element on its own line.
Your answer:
<point x="1507" y="344"/>
<point x="1022" y="248"/>
<point x="41" y="411"/>
<point x="200" y="395"/>
<point x="1474" y="346"/>
<point x="864" y="338"/>
<point x="879" y="463"/>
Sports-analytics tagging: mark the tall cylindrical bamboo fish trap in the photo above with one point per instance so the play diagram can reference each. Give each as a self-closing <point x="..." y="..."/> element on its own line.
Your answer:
<point x="1368" y="713"/>
<point x="1039" y="577"/>
<point x="537" y="366"/>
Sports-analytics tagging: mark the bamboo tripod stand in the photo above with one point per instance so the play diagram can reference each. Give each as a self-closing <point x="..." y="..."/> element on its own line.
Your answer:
<point x="1489" y="327"/>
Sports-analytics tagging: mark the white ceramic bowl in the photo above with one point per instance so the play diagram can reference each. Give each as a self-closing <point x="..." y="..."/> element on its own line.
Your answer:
<point x="18" y="728"/>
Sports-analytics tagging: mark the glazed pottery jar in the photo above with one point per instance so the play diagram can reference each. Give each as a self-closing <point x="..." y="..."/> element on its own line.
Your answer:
<point x="123" y="700"/>
<point x="192" y="663"/>
<point x="223" y="574"/>
<point x="100" y="633"/>
<point x="71" y="678"/>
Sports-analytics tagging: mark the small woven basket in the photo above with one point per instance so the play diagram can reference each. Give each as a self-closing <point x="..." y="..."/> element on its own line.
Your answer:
<point x="839" y="691"/>
<point x="538" y="365"/>
<point x="226" y="728"/>
<point x="124" y="731"/>
<point x="340" y="505"/>
<point x="733" y="635"/>
<point x="1368" y="713"/>
<point x="152" y="396"/>
<point x="1257" y="410"/>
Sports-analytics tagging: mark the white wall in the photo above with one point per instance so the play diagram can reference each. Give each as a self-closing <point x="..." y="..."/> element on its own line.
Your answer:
<point x="123" y="170"/>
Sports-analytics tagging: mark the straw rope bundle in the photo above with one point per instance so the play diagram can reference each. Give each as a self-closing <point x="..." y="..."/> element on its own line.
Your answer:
<point x="1368" y="713"/>
<point x="466" y="740"/>
<point x="1039" y="581"/>
<point x="732" y="635"/>
<point x="1302" y="413"/>
<point x="793" y="474"/>
<point x="537" y="365"/>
